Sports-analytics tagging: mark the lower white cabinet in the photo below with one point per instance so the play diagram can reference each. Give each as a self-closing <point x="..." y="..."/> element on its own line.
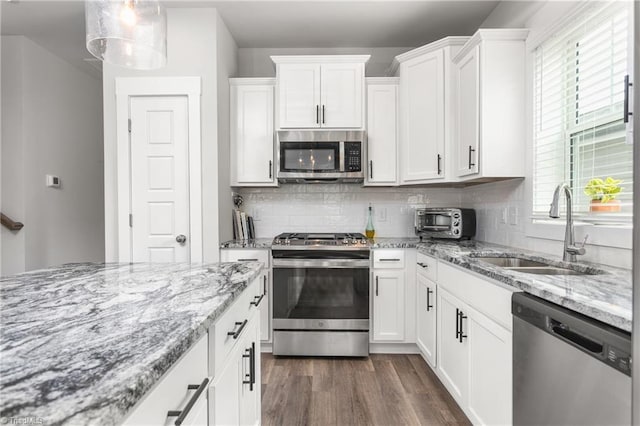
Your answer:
<point x="256" y="255"/>
<point x="426" y="318"/>
<point x="453" y="351"/>
<point x="234" y="394"/>
<point x="388" y="305"/>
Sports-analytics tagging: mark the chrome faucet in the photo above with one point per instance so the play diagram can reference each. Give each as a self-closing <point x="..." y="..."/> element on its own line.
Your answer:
<point x="570" y="249"/>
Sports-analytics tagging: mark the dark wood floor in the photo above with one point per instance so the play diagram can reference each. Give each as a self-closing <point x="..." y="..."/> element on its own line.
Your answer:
<point x="379" y="390"/>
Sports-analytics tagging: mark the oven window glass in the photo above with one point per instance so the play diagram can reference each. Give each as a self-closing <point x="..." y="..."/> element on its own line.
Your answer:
<point x="321" y="293"/>
<point x="436" y="220"/>
<point x="310" y="157"/>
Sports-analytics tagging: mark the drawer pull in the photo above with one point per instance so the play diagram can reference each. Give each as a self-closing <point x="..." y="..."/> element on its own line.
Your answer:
<point x="389" y="260"/>
<point x="424" y="265"/>
<point x="251" y="354"/>
<point x="236" y="333"/>
<point x="376" y="285"/>
<point x="429" y="305"/>
<point x="460" y="334"/>
<point x="247" y="260"/>
<point x="182" y="414"/>
<point x="257" y="300"/>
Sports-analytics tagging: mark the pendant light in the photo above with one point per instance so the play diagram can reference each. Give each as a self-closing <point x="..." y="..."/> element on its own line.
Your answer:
<point x="128" y="33"/>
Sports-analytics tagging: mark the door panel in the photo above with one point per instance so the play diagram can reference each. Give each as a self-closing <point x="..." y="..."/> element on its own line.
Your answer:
<point x="341" y="89"/>
<point x="422" y="117"/>
<point x="453" y="356"/>
<point x="159" y="178"/>
<point x="468" y="107"/>
<point x="426" y="317"/>
<point x="299" y="95"/>
<point x="382" y="131"/>
<point x="388" y="305"/>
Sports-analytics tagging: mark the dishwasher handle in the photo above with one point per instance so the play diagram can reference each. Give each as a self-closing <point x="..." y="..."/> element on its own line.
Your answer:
<point x="577" y="339"/>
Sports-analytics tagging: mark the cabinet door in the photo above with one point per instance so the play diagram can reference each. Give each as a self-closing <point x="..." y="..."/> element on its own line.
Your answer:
<point x="342" y="97"/>
<point x="299" y="95"/>
<point x="382" y="131"/>
<point x="453" y="355"/>
<point x="422" y="112"/>
<point x="250" y="394"/>
<point x="426" y="318"/>
<point x="224" y="393"/>
<point x="252" y="135"/>
<point x="467" y="74"/>
<point x="388" y="305"/>
<point x="490" y="373"/>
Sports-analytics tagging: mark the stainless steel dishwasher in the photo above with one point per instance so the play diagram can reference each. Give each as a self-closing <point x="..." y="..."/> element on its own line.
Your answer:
<point x="568" y="369"/>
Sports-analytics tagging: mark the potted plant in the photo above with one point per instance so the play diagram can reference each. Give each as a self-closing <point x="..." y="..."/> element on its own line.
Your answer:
<point x="603" y="194"/>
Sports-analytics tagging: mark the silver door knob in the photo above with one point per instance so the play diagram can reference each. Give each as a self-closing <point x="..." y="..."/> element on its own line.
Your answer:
<point x="181" y="239"/>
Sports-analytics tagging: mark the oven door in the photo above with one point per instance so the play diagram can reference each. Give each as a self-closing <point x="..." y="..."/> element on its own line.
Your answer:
<point x="321" y="294"/>
<point x="434" y="221"/>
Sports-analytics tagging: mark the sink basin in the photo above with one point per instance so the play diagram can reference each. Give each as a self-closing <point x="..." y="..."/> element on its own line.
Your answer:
<point x="549" y="270"/>
<point x="530" y="266"/>
<point x="511" y="262"/>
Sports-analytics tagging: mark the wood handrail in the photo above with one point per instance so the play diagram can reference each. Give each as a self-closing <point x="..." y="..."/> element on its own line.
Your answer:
<point x="10" y="224"/>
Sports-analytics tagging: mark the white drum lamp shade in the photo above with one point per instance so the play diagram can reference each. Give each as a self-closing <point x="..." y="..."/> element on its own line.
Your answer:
<point x="128" y="33"/>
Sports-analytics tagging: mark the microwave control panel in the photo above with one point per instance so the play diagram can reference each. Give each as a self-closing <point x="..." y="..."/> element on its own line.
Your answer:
<point x="353" y="156"/>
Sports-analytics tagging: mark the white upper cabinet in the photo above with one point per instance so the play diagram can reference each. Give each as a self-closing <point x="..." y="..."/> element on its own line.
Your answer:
<point x="382" y="131"/>
<point x="252" y="132"/>
<point x="320" y="91"/>
<point x="425" y="116"/>
<point x="489" y="129"/>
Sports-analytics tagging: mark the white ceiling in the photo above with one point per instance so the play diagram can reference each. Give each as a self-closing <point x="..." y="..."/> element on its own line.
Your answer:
<point x="59" y="25"/>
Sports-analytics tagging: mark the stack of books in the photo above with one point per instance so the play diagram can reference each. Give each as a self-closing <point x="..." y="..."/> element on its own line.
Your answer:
<point x="243" y="228"/>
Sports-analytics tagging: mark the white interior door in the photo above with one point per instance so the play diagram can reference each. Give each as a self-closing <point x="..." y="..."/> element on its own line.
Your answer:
<point x="159" y="179"/>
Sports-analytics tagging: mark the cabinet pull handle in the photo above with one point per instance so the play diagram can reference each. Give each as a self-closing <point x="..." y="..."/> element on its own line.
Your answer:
<point x="370" y="169"/>
<point x="439" y="160"/>
<point x="182" y="414"/>
<point x="247" y="260"/>
<point x="317" y="114"/>
<point x="376" y="285"/>
<point x="270" y="169"/>
<point x="264" y="285"/>
<point x="389" y="260"/>
<point x="322" y="114"/>
<point x="457" y="324"/>
<point x="257" y="300"/>
<point x="236" y="333"/>
<point x="429" y="305"/>
<point x="471" y="150"/>
<point x="424" y="265"/>
<point x="626" y="112"/>
<point x="462" y="335"/>
<point x="251" y="354"/>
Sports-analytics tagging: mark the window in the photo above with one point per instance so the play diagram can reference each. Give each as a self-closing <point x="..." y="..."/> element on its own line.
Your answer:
<point x="579" y="95"/>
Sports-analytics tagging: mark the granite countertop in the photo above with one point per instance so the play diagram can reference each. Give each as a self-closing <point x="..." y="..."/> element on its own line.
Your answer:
<point x="258" y="243"/>
<point x="82" y="343"/>
<point x="265" y="243"/>
<point x="606" y="295"/>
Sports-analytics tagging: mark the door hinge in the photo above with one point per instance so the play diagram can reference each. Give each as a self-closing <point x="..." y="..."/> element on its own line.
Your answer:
<point x="129" y="125"/>
<point x="130" y="221"/>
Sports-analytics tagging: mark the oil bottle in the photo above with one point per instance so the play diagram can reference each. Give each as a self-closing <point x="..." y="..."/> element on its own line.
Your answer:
<point x="370" y="232"/>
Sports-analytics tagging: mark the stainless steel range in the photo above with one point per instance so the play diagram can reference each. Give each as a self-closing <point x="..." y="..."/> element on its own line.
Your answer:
<point x="320" y="294"/>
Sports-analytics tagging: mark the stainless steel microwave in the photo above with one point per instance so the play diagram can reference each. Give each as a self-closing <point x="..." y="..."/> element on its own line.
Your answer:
<point x="450" y="223"/>
<point x="321" y="156"/>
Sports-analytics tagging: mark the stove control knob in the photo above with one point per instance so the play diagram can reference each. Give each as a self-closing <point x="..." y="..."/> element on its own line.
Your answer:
<point x="345" y="241"/>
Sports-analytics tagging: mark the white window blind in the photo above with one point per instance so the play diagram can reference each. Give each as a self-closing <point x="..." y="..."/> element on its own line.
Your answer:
<point x="579" y="132"/>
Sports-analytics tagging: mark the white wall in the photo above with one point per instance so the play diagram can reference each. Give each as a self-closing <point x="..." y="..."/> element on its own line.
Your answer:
<point x="514" y="197"/>
<point x="227" y="54"/>
<point x="191" y="51"/>
<point x="52" y="124"/>
<point x="256" y="62"/>
<point x="340" y="208"/>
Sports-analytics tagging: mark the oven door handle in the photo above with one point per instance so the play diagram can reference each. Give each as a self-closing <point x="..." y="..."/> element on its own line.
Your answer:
<point x="321" y="263"/>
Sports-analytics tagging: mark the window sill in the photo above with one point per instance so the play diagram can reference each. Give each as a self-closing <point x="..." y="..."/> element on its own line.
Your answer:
<point x="606" y="235"/>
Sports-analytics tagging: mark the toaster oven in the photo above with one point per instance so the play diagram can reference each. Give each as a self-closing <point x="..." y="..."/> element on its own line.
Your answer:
<point x="451" y="223"/>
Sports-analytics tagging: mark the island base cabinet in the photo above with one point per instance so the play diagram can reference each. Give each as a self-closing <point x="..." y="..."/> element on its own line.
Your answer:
<point x="234" y="395"/>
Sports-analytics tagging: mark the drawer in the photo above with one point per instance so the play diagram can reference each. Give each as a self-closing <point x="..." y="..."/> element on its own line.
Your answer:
<point x="171" y="391"/>
<point x="427" y="266"/>
<point x="388" y="258"/>
<point x="231" y="326"/>
<point x="245" y="255"/>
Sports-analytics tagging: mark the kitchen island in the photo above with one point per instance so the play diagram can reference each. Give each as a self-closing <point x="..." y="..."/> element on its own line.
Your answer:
<point x="83" y="343"/>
